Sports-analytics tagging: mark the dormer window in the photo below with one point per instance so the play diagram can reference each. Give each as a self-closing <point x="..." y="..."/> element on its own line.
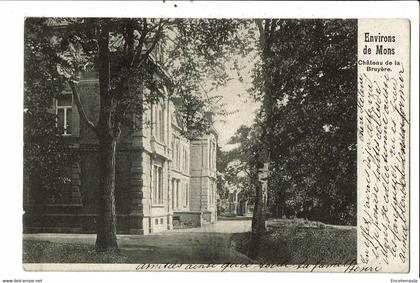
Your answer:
<point x="63" y="110"/>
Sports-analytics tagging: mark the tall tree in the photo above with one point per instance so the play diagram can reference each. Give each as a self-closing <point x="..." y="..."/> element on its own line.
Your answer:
<point x="311" y="76"/>
<point x="266" y="30"/>
<point x="119" y="50"/>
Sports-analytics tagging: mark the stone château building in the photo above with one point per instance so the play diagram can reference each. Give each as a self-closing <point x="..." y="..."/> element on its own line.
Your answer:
<point x="163" y="180"/>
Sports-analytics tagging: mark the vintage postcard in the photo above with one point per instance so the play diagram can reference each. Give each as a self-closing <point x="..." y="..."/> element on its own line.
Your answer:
<point x="216" y="144"/>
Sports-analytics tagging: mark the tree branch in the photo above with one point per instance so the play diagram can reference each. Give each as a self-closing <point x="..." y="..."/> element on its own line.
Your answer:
<point x="154" y="42"/>
<point x="261" y="30"/>
<point x="144" y="32"/>
<point x="129" y="39"/>
<point x="79" y="105"/>
<point x="152" y="28"/>
<point x="247" y="172"/>
<point x="273" y="25"/>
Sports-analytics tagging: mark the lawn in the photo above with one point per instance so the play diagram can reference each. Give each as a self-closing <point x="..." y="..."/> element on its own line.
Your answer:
<point x="291" y="242"/>
<point x="295" y="243"/>
<point x="48" y="252"/>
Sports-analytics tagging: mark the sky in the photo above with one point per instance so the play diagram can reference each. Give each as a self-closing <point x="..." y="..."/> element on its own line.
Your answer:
<point x="236" y="98"/>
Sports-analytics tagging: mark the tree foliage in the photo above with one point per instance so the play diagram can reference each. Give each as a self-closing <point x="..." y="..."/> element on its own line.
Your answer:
<point x="46" y="154"/>
<point x="186" y="54"/>
<point x="309" y="69"/>
<point x="243" y="161"/>
<point x="201" y="49"/>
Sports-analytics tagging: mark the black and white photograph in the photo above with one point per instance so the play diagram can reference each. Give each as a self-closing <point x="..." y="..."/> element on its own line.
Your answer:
<point x="190" y="141"/>
<point x="209" y="141"/>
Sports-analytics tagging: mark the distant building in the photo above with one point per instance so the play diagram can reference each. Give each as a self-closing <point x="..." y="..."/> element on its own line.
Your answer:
<point x="236" y="203"/>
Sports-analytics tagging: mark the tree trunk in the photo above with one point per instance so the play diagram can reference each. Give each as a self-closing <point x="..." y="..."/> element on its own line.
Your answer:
<point x="106" y="224"/>
<point x="258" y="217"/>
<point x="258" y="222"/>
<point x="107" y="133"/>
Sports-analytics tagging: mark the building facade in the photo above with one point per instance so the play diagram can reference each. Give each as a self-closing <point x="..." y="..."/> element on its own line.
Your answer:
<point x="163" y="180"/>
<point x="203" y="176"/>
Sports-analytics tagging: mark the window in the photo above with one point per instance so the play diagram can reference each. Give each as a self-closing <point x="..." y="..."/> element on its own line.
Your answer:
<point x="186" y="161"/>
<point x="182" y="158"/>
<point x="63" y="111"/>
<point x="186" y="195"/>
<point x="159" y="123"/>
<point x="211" y="191"/>
<point x="157" y="185"/>
<point x="175" y="193"/>
<point x="155" y="122"/>
<point x="177" y="154"/>
<point x="173" y="151"/>
<point x="209" y="194"/>
<point x="173" y="147"/>
<point x="162" y="125"/>
<point x="212" y="155"/>
<point x="210" y="162"/>
<point x="214" y="192"/>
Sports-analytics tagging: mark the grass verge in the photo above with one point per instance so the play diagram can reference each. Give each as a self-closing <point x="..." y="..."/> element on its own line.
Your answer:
<point x="49" y="252"/>
<point x="294" y="244"/>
